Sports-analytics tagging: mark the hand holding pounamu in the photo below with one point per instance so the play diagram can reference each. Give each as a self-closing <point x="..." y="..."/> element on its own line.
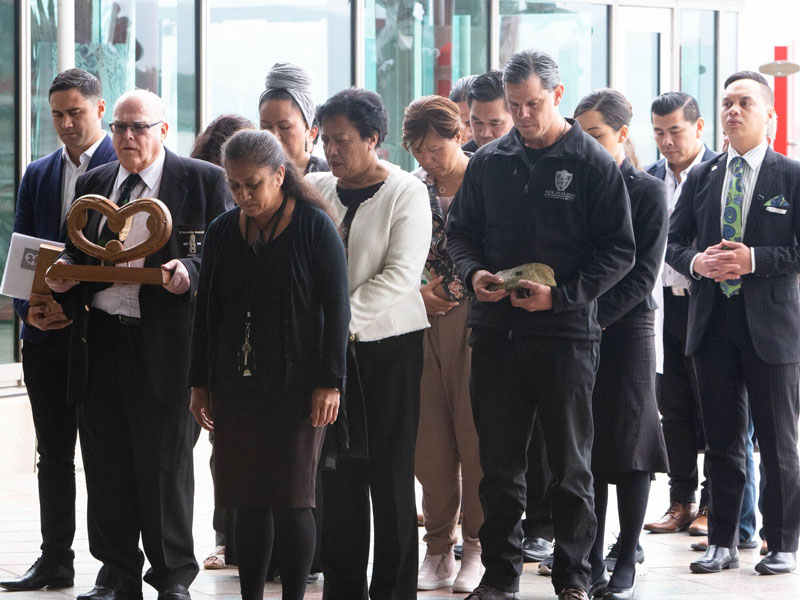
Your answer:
<point x="480" y="280"/>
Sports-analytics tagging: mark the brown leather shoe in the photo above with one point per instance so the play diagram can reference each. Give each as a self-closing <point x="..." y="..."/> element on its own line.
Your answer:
<point x="700" y="524"/>
<point x="677" y="518"/>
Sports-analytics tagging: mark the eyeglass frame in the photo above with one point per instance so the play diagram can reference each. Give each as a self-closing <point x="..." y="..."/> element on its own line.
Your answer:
<point x="123" y="127"/>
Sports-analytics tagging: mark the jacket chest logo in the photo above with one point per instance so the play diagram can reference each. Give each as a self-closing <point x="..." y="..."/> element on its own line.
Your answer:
<point x="562" y="182"/>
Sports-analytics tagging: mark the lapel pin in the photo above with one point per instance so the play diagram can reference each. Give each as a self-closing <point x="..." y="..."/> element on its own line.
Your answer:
<point x="714" y="168"/>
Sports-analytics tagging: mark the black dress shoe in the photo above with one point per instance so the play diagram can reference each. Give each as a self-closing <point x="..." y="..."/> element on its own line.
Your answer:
<point x="777" y="563"/>
<point x="99" y="592"/>
<point x="599" y="585"/>
<point x="44" y="573"/>
<point x="174" y="592"/>
<point x="487" y="592"/>
<point x="535" y="549"/>
<point x="715" y="560"/>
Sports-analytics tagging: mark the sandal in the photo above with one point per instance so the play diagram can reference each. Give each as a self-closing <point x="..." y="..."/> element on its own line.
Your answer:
<point x="215" y="560"/>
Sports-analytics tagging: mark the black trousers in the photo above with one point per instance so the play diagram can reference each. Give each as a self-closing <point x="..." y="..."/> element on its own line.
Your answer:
<point x="513" y="382"/>
<point x="137" y="453"/>
<point x="679" y="405"/>
<point x="538" y="521"/>
<point x="45" y="365"/>
<point x="729" y="372"/>
<point x="390" y="372"/>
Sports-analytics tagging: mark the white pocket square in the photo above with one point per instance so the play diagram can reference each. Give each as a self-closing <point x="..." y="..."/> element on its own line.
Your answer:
<point x="776" y="210"/>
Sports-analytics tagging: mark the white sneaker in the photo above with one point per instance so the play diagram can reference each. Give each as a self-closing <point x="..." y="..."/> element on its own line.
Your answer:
<point x="437" y="571"/>
<point x="469" y="577"/>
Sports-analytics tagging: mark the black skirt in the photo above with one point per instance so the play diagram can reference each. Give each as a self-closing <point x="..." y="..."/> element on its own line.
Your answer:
<point x="627" y="429"/>
<point x="265" y="455"/>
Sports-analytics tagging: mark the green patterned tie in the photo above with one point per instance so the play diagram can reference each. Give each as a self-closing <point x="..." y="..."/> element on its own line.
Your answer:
<point x="732" y="219"/>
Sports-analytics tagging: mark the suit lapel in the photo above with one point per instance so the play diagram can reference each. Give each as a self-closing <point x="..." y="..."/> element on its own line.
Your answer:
<point x="717" y="181"/>
<point x="173" y="193"/>
<point x="761" y="192"/>
<point x="54" y="207"/>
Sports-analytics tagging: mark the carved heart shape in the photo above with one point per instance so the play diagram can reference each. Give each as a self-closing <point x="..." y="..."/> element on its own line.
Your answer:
<point x="159" y="224"/>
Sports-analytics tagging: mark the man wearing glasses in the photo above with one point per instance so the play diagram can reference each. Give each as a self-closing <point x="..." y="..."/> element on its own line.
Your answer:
<point x="45" y="194"/>
<point x="129" y="362"/>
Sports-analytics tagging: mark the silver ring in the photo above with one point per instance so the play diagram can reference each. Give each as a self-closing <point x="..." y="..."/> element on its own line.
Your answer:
<point x="440" y="314"/>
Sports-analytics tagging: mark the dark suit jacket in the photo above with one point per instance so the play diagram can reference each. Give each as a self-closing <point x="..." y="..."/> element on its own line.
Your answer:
<point x="195" y="192"/>
<point x="658" y="169"/>
<point x="771" y="294"/>
<point x="38" y="211"/>
<point x="633" y="294"/>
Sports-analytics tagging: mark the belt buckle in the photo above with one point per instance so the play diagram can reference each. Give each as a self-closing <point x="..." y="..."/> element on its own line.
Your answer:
<point x="128" y="321"/>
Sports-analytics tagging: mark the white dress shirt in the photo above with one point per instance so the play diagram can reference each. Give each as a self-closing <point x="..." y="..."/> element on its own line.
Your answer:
<point x="123" y="298"/>
<point x="70" y="173"/>
<point x="751" y="167"/>
<point x="669" y="276"/>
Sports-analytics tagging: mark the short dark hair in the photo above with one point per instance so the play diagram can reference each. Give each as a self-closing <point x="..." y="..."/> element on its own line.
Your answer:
<point x="363" y="108"/>
<point x="458" y="93"/>
<point x="430" y="113"/>
<point x="669" y="102"/>
<point x="526" y="63"/>
<point x="769" y="96"/>
<point x="77" y="79"/>
<point x="208" y="146"/>
<point x="486" y="88"/>
<point x="615" y="108"/>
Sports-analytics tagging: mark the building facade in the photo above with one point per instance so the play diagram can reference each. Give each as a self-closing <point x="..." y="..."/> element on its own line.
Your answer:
<point x="209" y="57"/>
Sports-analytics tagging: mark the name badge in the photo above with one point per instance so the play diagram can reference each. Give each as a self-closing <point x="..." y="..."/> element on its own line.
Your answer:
<point x="776" y="210"/>
<point x="190" y="238"/>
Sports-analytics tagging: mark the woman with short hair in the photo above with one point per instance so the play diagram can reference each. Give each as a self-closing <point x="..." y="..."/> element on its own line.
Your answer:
<point x="447" y="462"/>
<point x="384" y="217"/>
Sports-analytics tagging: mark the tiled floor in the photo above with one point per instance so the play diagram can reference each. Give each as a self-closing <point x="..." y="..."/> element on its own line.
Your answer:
<point x="667" y="575"/>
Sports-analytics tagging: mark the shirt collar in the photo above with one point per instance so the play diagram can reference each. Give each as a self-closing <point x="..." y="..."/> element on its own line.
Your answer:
<point x="150" y="175"/>
<point x="87" y="154"/>
<point x="753" y="157"/>
<point x="697" y="160"/>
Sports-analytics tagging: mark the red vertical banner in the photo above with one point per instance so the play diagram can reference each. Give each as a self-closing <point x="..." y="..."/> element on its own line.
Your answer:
<point x="781" y="144"/>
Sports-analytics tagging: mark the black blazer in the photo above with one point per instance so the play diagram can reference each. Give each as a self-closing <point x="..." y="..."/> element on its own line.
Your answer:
<point x="658" y="169"/>
<point x="633" y="294"/>
<point x="38" y="211"/>
<point x="771" y="294"/>
<point x="195" y="192"/>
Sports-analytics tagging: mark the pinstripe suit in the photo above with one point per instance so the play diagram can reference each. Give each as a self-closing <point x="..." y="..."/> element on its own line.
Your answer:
<point x="748" y="344"/>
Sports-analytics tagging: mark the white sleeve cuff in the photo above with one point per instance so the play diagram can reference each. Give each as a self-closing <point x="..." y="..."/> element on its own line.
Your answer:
<point x="752" y="260"/>
<point x="691" y="268"/>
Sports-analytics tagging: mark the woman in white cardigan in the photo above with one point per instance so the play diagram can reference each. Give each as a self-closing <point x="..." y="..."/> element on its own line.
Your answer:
<point x="384" y="217"/>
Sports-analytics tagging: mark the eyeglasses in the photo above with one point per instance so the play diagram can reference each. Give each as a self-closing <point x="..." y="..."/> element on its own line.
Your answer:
<point x="121" y="127"/>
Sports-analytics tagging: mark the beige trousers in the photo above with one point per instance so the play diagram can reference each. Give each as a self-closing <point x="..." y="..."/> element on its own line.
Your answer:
<point x="447" y="463"/>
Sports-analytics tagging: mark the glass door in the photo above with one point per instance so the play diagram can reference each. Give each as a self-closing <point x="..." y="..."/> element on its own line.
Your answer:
<point x="643" y="68"/>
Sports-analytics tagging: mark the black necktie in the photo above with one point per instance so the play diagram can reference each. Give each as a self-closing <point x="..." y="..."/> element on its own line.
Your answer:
<point x="126" y="190"/>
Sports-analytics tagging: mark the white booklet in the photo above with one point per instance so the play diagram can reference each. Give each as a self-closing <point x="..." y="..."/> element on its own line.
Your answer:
<point x="21" y="265"/>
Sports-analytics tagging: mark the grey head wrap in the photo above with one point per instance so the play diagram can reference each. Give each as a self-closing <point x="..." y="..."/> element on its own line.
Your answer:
<point x="294" y="80"/>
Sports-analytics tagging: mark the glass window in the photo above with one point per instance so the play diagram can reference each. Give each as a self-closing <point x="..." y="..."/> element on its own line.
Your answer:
<point x="415" y="49"/>
<point x="128" y="44"/>
<point x="246" y="37"/>
<point x="642" y="65"/>
<point x="8" y="136"/>
<point x="698" y="37"/>
<point x="575" y="34"/>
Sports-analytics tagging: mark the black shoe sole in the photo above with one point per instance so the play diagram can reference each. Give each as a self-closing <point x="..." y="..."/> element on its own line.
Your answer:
<point x="698" y="568"/>
<point x="765" y="570"/>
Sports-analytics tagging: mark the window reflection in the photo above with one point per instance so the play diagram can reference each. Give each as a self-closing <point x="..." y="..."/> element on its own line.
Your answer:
<point x="414" y="49"/>
<point x="8" y="135"/>
<point x="698" y="67"/>
<point x="246" y="37"/>
<point x="575" y="34"/>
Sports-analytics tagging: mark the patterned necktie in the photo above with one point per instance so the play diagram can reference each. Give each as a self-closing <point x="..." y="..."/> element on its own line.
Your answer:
<point x="732" y="219"/>
<point x="106" y="235"/>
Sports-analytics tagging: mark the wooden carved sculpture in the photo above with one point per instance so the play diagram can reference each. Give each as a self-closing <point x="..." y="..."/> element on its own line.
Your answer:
<point x="159" y="224"/>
